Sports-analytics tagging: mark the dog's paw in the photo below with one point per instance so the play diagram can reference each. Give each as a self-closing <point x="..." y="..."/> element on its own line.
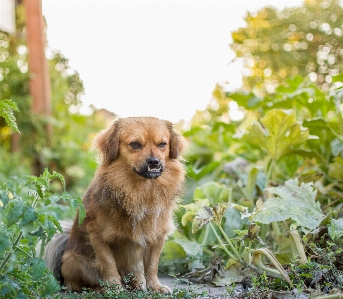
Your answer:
<point x="165" y="289"/>
<point x="162" y="289"/>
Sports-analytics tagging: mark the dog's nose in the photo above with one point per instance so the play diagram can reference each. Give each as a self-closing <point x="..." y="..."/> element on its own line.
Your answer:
<point x="153" y="162"/>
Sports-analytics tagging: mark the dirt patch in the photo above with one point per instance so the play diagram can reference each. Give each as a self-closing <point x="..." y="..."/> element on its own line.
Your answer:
<point x="207" y="290"/>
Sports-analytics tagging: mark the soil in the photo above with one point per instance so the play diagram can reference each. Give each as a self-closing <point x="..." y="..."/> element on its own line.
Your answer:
<point x="208" y="290"/>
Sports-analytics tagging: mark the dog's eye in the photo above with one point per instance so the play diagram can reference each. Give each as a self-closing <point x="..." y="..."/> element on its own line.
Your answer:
<point x="162" y="144"/>
<point x="135" y="145"/>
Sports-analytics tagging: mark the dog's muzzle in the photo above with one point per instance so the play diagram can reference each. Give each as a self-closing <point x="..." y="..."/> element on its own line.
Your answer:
<point x="151" y="169"/>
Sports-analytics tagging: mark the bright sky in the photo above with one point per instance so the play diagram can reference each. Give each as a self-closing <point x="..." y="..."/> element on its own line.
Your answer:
<point x="150" y="58"/>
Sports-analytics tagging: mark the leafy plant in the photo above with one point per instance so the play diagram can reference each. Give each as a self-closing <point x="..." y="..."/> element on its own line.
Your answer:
<point x="6" y="111"/>
<point x="23" y="222"/>
<point x="278" y="167"/>
<point x="67" y="148"/>
<point x="278" y="44"/>
<point x="112" y="291"/>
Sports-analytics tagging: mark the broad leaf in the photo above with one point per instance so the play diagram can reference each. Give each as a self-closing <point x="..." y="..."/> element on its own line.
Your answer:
<point x="214" y="192"/>
<point x="285" y="253"/>
<point x="29" y="216"/>
<point x="38" y="268"/>
<point x="233" y="222"/>
<point x="243" y="210"/>
<point x="15" y="209"/>
<point x="192" y="248"/>
<point x="171" y="252"/>
<point x="218" y="212"/>
<point x="277" y="133"/>
<point x="293" y="202"/>
<point x="192" y="209"/>
<point x="203" y="217"/>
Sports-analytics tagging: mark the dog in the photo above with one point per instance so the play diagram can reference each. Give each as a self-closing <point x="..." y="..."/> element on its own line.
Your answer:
<point x="129" y="207"/>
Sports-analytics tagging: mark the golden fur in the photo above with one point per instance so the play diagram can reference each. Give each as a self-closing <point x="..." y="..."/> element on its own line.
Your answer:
<point x="129" y="207"/>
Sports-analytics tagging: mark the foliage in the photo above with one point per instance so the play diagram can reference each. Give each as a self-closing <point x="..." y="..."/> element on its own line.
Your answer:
<point x="266" y="185"/>
<point x="293" y="202"/>
<point x="24" y="220"/>
<point x="277" y="44"/>
<point x="67" y="148"/>
<point x="6" y="111"/>
<point x="115" y="291"/>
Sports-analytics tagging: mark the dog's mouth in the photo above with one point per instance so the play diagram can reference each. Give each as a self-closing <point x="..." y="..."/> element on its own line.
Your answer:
<point x="149" y="172"/>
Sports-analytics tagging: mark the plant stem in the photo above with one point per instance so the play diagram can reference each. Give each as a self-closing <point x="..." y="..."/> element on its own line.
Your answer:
<point x="221" y="242"/>
<point x="276" y="230"/>
<point x="27" y="254"/>
<point x="231" y="245"/>
<point x="206" y="236"/>
<point x="230" y="195"/>
<point x="269" y="173"/>
<point x="331" y="204"/>
<point x="298" y="244"/>
<point x="272" y="175"/>
<point x="257" y="260"/>
<point x="4" y="262"/>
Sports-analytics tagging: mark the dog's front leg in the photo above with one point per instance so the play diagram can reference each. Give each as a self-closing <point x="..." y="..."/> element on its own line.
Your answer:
<point x="151" y="258"/>
<point x="104" y="256"/>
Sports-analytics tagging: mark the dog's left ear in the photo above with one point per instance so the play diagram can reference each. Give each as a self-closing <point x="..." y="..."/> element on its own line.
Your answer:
<point x="107" y="143"/>
<point x="177" y="142"/>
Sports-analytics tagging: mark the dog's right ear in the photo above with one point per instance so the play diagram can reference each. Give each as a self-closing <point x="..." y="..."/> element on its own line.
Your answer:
<point x="107" y="143"/>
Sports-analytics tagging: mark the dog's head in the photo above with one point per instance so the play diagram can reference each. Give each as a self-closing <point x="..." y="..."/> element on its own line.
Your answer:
<point x="143" y="144"/>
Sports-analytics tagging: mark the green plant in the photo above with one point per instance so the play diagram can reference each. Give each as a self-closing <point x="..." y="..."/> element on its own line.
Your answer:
<point x="112" y="291"/>
<point x="24" y="222"/>
<point x="279" y="168"/>
<point x="67" y="148"/>
<point x="277" y="44"/>
<point x="6" y="111"/>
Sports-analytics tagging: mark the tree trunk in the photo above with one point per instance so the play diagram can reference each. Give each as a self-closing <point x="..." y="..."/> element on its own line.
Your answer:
<point x="39" y="81"/>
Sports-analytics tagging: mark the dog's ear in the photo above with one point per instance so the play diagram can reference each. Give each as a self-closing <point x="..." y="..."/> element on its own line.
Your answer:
<point x="107" y="143"/>
<point x="177" y="142"/>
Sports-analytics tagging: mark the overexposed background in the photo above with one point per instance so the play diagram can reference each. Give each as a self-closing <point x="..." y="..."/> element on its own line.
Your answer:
<point x="151" y="58"/>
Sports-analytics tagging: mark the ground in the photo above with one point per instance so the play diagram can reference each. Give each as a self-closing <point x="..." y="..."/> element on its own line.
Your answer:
<point x="209" y="290"/>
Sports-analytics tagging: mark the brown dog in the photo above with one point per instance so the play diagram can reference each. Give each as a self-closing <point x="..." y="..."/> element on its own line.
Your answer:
<point x="129" y="207"/>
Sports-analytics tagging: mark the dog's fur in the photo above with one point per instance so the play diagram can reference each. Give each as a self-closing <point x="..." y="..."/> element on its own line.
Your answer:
<point x="129" y="207"/>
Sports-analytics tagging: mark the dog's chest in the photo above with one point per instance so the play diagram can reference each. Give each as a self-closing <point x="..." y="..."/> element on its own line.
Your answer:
<point x="147" y="226"/>
<point x="142" y="228"/>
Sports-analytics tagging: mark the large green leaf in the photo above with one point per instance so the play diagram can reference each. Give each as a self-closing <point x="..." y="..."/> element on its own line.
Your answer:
<point x="38" y="268"/>
<point x="192" y="209"/>
<point x="15" y="209"/>
<point x="295" y="202"/>
<point x="192" y="248"/>
<point x="214" y="192"/>
<point x="171" y="252"/>
<point x="277" y="133"/>
<point x="203" y="217"/>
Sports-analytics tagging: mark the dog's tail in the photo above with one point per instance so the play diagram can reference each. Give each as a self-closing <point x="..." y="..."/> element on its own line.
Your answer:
<point x="54" y="251"/>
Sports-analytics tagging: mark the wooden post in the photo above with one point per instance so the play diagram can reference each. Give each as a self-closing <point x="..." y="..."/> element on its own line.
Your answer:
<point x="40" y="89"/>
